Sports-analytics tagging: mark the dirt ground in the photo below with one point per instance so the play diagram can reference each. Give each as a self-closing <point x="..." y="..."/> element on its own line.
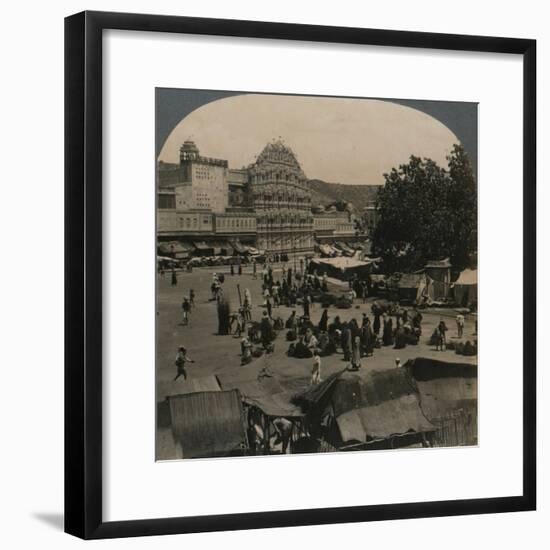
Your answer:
<point x="213" y="353"/>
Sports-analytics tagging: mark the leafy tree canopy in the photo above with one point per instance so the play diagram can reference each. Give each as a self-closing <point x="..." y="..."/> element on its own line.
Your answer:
<point x="427" y="212"/>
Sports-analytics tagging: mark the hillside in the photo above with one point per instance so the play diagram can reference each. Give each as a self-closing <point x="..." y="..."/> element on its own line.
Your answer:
<point x="323" y="193"/>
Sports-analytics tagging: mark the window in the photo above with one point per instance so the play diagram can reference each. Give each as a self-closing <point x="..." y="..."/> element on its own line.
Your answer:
<point x="167" y="201"/>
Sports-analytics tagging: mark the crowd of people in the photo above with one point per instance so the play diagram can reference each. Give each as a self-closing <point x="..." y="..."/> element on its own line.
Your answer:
<point x="387" y="324"/>
<point x="355" y="340"/>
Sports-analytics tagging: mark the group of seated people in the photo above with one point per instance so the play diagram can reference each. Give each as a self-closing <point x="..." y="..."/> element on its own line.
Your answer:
<point x="325" y="339"/>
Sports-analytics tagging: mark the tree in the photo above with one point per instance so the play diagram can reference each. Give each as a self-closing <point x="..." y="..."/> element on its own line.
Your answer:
<point x="427" y="212"/>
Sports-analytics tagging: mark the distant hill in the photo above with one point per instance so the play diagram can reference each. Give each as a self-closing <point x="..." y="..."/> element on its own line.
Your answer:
<point x="323" y="193"/>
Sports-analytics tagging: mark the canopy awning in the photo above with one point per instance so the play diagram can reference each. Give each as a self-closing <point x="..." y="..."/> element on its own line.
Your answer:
<point x="446" y="262"/>
<point x="467" y="277"/>
<point x="326" y="250"/>
<point x="173" y="247"/>
<point x="276" y="404"/>
<point x="410" y="280"/>
<point x="201" y="245"/>
<point x="165" y="259"/>
<point x="239" y="248"/>
<point x="390" y="418"/>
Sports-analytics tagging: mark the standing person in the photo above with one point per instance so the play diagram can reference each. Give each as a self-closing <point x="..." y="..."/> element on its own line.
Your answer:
<point x="240" y="267"/>
<point x="185" y="309"/>
<point x="246" y="351"/>
<point x="460" y="325"/>
<point x="268" y="305"/>
<point x="356" y="354"/>
<point x="387" y="331"/>
<point x="254" y="269"/>
<point x="417" y="322"/>
<point x="316" y="370"/>
<point x="370" y="339"/>
<point x="192" y="298"/>
<point x="174" y="278"/>
<point x="441" y="336"/>
<point x="247" y="305"/>
<point x="292" y="323"/>
<point x="214" y="286"/>
<point x="283" y="427"/>
<point x="365" y="291"/>
<point x="232" y="269"/>
<point x="275" y="294"/>
<point x="323" y="323"/>
<point x="310" y="342"/>
<point x="240" y="323"/>
<point x="376" y="324"/>
<point x="324" y="283"/>
<point x="181" y="359"/>
<point x="307" y="301"/>
<point x="265" y="330"/>
<point x="354" y="328"/>
<point x="345" y="341"/>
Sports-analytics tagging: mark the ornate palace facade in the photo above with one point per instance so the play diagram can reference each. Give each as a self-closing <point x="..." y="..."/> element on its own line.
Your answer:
<point x="273" y="191"/>
<point x="282" y="201"/>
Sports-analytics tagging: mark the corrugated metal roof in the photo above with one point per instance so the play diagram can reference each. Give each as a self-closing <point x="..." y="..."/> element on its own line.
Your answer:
<point x="208" y="423"/>
<point x="191" y="385"/>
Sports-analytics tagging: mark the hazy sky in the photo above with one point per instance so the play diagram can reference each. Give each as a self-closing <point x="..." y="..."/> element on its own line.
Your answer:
<point x="338" y="140"/>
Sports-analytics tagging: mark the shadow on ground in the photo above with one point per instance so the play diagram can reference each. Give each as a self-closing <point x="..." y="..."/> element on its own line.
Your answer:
<point x="53" y="519"/>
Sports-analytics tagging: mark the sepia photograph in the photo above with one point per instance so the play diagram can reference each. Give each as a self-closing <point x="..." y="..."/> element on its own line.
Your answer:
<point x="316" y="274"/>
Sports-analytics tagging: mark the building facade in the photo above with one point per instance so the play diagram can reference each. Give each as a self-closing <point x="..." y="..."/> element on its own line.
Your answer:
<point x="266" y="205"/>
<point x="333" y="225"/>
<point x="281" y="200"/>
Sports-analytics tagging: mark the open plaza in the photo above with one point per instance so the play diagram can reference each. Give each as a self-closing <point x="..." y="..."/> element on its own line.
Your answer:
<point x="217" y="358"/>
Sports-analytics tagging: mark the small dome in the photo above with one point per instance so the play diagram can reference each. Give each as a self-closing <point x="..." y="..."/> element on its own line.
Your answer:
<point x="277" y="152"/>
<point x="189" y="147"/>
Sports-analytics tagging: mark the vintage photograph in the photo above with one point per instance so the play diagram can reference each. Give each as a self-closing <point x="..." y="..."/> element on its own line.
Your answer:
<point x="317" y="284"/>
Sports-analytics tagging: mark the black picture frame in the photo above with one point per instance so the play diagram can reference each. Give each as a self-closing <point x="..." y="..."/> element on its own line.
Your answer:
<point x="83" y="273"/>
